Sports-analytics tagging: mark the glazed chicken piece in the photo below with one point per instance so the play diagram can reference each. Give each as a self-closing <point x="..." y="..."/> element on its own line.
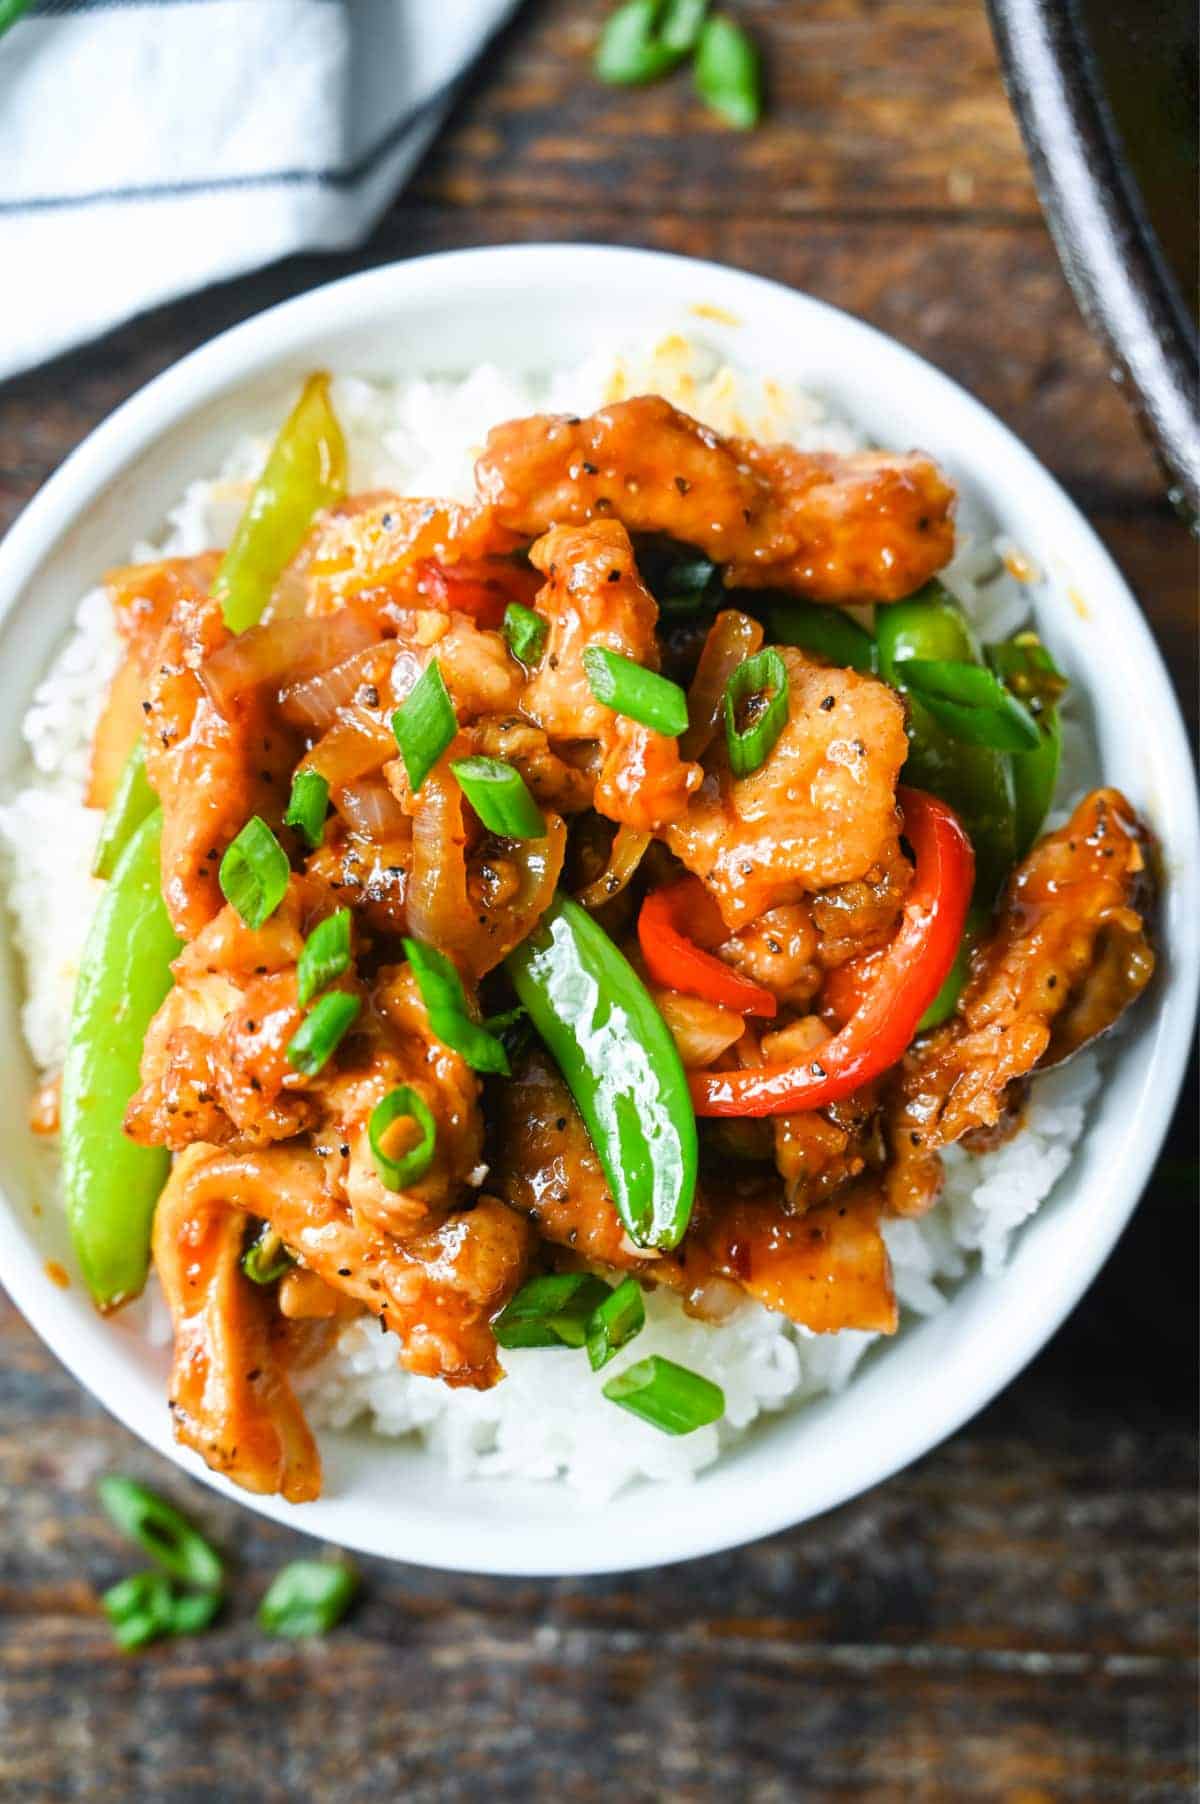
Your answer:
<point x="820" y="811"/>
<point x="1067" y="955"/>
<point x="594" y="596"/>
<point x="864" y="527"/>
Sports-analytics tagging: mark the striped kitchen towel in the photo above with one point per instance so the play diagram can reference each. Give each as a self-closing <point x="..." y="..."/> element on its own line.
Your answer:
<point x="150" y="147"/>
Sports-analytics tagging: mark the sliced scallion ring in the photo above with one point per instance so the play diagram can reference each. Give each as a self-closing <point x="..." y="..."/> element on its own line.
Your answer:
<point x="629" y="688"/>
<point x="308" y="1597"/>
<point x="254" y="872"/>
<point x="324" y="956"/>
<point x="525" y="632"/>
<point x="761" y="683"/>
<point x="402" y="1104"/>
<point x="424" y="724"/>
<point x="445" y="1002"/>
<point x="614" y="1322"/>
<point x="317" y="1037"/>
<point x="551" y="1312"/>
<point x="499" y="796"/>
<point x="166" y="1535"/>
<point x="266" y="1258"/>
<point x="667" y="1395"/>
<point x="308" y="805"/>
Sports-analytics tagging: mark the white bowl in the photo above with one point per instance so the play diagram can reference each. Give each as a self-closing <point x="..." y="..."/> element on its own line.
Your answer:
<point x="535" y="307"/>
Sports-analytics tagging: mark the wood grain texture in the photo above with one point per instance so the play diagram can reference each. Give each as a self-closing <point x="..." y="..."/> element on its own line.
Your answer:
<point x="1012" y="1620"/>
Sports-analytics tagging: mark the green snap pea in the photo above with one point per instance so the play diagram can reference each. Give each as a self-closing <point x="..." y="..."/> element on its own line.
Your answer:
<point x="828" y="632"/>
<point x="621" y="1065"/>
<point x="133" y="801"/>
<point x="1027" y="669"/>
<point x="976" y="780"/>
<point x="111" y="1183"/>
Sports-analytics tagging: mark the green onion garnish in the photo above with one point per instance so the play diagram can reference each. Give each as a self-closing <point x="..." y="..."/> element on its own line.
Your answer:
<point x="628" y="688"/>
<point x="970" y="702"/>
<point x="309" y="1597"/>
<point x="551" y="1312"/>
<point x="320" y="1031"/>
<point x="147" y="1606"/>
<point x="828" y="632"/>
<point x="308" y="805"/>
<point x="497" y="793"/>
<point x="402" y="1104"/>
<point x="266" y="1258"/>
<point x="525" y="632"/>
<point x="254" y="872"/>
<point x="446" y="1005"/>
<point x="728" y="73"/>
<point x="425" y="724"/>
<point x="325" y="955"/>
<point x="630" y="50"/>
<point x="681" y="22"/>
<point x="666" y="1395"/>
<point x="750" y="683"/>
<point x="615" y="1320"/>
<point x="166" y="1535"/>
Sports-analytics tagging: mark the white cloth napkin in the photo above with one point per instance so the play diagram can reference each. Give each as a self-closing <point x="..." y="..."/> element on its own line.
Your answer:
<point x="150" y="147"/>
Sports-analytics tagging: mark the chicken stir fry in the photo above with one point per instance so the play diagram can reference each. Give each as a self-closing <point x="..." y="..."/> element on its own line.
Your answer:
<point x="507" y="941"/>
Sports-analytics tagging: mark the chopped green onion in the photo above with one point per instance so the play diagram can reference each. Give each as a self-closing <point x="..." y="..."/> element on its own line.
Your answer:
<point x="729" y="73"/>
<point x="402" y="1104"/>
<point x="829" y="633"/>
<point x="317" y="1036"/>
<point x="133" y="801"/>
<point x="666" y="1395"/>
<point x="308" y="1597"/>
<point x="970" y="703"/>
<point x="166" y="1535"/>
<point x="266" y="1258"/>
<point x="254" y="872"/>
<point x="446" y="1005"/>
<point x="498" y="794"/>
<point x="681" y="22"/>
<point x="551" y="1312"/>
<point x="308" y="805"/>
<point x="140" y="1608"/>
<point x="424" y="724"/>
<point x="614" y="1322"/>
<point x="752" y="745"/>
<point x="192" y="1611"/>
<point x="325" y="955"/>
<point x="525" y="632"/>
<point x="628" y="688"/>
<point x="630" y="51"/>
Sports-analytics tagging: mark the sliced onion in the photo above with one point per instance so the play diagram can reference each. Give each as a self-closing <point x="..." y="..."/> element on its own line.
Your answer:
<point x="372" y="810"/>
<point x="701" y="1030"/>
<point x="284" y="652"/>
<point x="625" y="854"/>
<point x="315" y="702"/>
<point x="354" y="747"/>
<point x="732" y="638"/>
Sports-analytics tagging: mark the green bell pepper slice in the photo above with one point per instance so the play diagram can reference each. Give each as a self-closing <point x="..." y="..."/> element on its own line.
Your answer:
<point x="1026" y="668"/>
<point x="112" y="1184"/>
<point x="621" y="1065"/>
<point x="305" y="472"/>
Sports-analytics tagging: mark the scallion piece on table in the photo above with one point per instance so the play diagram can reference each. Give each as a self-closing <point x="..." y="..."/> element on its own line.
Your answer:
<point x="254" y="872"/>
<point x="758" y="691"/>
<point x="446" y="1005"/>
<point x="679" y="28"/>
<point x="165" y="1534"/>
<point x="402" y="1104"/>
<point x="266" y="1258"/>
<point x="309" y="1597"/>
<point x="525" y="632"/>
<point x="324" y="956"/>
<point x="307" y="807"/>
<point x="551" y="1312"/>
<point x="498" y="794"/>
<point x="318" y="1035"/>
<point x="666" y="1395"/>
<point x="424" y="724"/>
<point x="827" y="632"/>
<point x="614" y="1322"/>
<point x="728" y="73"/>
<point x="971" y="703"/>
<point x="630" y="50"/>
<point x="629" y="688"/>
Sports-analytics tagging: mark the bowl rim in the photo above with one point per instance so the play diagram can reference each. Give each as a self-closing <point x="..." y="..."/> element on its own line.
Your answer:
<point x="265" y="339"/>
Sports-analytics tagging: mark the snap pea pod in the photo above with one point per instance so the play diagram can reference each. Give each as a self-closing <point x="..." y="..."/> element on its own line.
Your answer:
<point x="133" y="801"/>
<point x="829" y="632"/>
<point x="976" y="780"/>
<point x="111" y="1183"/>
<point x="305" y="472"/>
<point x="621" y="1065"/>
<point x="1025" y="666"/>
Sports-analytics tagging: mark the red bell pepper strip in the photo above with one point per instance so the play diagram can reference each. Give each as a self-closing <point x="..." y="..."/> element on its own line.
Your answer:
<point x="909" y="976"/>
<point x="481" y="587"/>
<point x="675" y="961"/>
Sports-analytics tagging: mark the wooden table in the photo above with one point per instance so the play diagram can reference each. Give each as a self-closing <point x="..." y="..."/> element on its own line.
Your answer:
<point x="1012" y="1619"/>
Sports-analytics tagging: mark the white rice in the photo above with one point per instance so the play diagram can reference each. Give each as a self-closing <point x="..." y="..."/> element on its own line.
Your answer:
<point x="547" y="1419"/>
